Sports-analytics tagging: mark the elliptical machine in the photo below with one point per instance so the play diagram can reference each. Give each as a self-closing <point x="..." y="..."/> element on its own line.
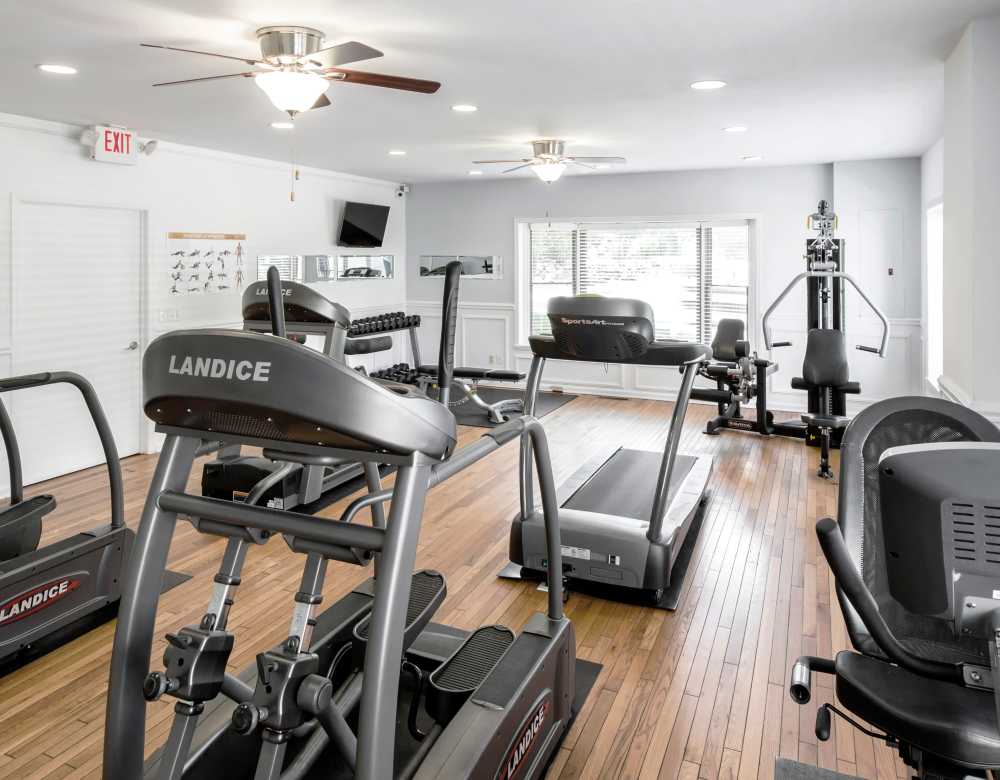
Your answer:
<point x="324" y="702"/>
<point x="258" y="480"/>
<point x="50" y="594"/>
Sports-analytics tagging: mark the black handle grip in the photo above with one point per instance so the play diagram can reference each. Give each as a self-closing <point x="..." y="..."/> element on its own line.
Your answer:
<point x="28" y="380"/>
<point x="831" y="540"/>
<point x="873" y="350"/>
<point x="781" y="344"/>
<point x="276" y="302"/>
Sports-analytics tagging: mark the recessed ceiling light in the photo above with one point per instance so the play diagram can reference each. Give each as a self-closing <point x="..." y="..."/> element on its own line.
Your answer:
<point x="61" y="70"/>
<point x="751" y="157"/>
<point x="465" y="108"/>
<point x="735" y="129"/>
<point x="709" y="84"/>
<point x="475" y="173"/>
<point x="397" y="152"/>
<point x="283" y="125"/>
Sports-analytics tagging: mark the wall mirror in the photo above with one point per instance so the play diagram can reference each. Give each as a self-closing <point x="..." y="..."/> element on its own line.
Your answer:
<point x="473" y="266"/>
<point x="359" y="267"/>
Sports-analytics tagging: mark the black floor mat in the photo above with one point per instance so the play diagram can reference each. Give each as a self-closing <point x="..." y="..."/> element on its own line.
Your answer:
<point x="786" y="769"/>
<point x="467" y="413"/>
<point x="171" y="579"/>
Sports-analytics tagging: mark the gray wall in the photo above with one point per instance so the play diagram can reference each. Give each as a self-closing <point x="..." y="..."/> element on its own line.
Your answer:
<point x="878" y="201"/>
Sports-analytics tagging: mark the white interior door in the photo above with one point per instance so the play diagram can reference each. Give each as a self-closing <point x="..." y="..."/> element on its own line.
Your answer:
<point x="77" y="286"/>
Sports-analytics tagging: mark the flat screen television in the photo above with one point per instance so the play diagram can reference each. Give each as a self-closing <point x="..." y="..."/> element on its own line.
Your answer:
<point x="363" y="225"/>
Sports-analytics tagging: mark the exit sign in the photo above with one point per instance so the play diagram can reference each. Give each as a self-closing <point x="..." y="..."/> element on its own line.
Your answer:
<point x="115" y="145"/>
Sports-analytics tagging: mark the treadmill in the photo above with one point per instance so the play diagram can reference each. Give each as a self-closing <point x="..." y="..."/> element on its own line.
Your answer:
<point x="627" y="531"/>
<point x="286" y="485"/>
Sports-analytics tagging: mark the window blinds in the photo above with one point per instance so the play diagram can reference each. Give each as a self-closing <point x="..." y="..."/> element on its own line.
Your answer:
<point x="692" y="275"/>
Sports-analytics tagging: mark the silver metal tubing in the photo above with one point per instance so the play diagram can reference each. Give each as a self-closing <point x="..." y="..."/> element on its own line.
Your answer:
<point x="235" y="689"/>
<point x="275" y="520"/>
<point x="765" y="324"/>
<point x="377" y="717"/>
<point x="258" y="490"/>
<point x="550" y="511"/>
<point x="362" y="501"/>
<point x="374" y="483"/>
<point x="346" y="699"/>
<point x="530" y="397"/>
<point x="178" y="745"/>
<point x="100" y="420"/>
<point x="670" y="452"/>
<point x="126" y="710"/>
<point x="414" y="346"/>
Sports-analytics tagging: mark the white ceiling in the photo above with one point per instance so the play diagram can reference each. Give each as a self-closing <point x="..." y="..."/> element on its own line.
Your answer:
<point x="815" y="80"/>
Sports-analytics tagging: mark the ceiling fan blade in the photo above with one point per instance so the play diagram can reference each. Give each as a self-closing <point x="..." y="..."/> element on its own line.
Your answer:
<point x="382" y="80"/>
<point x="603" y="160"/>
<point x="247" y="60"/>
<point x="581" y="164"/>
<point x="321" y="102"/>
<point x="488" y="162"/>
<point x="205" y="78"/>
<point x="519" y="167"/>
<point x="341" y="54"/>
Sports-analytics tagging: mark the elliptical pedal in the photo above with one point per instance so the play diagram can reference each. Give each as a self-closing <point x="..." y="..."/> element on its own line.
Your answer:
<point x="427" y="590"/>
<point x="452" y="683"/>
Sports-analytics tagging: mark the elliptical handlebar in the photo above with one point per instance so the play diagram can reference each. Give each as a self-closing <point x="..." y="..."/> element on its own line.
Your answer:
<point x="769" y="343"/>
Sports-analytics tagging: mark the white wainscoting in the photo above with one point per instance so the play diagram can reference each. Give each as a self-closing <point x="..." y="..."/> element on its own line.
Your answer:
<point x="484" y="333"/>
<point x="486" y="330"/>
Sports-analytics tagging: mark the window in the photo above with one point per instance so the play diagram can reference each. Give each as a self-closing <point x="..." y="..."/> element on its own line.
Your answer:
<point x="935" y="293"/>
<point x="289" y="266"/>
<point x="693" y="275"/>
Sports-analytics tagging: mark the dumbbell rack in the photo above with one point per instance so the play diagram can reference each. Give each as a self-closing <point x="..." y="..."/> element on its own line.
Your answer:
<point x="388" y="323"/>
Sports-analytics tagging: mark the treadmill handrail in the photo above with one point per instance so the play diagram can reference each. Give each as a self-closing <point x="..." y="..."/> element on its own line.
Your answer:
<point x="769" y="342"/>
<point x="100" y="420"/>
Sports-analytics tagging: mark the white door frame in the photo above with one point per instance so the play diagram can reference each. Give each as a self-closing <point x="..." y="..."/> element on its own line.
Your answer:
<point x="143" y="302"/>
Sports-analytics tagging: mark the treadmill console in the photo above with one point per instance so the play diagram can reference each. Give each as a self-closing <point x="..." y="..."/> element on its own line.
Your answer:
<point x="601" y="329"/>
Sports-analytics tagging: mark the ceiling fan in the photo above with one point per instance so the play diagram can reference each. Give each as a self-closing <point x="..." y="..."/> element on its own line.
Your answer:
<point x="294" y="71"/>
<point x="550" y="160"/>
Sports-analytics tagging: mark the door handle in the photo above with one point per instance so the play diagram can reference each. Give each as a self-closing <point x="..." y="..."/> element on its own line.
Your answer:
<point x="133" y="345"/>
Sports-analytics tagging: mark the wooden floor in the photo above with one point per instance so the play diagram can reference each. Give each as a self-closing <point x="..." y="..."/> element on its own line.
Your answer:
<point x="700" y="692"/>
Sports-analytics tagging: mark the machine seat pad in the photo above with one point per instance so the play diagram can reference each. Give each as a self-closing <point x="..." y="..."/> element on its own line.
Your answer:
<point x="939" y="717"/>
<point x="798" y="383"/>
<point x="834" y="421"/>
<point x="464" y="372"/>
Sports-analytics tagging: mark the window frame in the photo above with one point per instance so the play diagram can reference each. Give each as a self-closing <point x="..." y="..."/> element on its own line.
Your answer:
<point x="933" y="382"/>
<point x="522" y="254"/>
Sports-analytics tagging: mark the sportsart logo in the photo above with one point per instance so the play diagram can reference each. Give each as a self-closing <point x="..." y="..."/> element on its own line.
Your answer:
<point x="568" y="321"/>
<point x="526" y="741"/>
<point x="218" y="368"/>
<point x="37" y="599"/>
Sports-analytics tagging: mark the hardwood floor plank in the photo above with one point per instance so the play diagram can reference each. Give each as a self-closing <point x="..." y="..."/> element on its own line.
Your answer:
<point x="695" y="693"/>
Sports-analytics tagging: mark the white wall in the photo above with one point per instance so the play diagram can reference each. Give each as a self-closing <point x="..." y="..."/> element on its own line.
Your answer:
<point x="931" y="194"/>
<point x="479" y="217"/>
<point x="189" y="189"/>
<point x="878" y="205"/>
<point x="972" y="200"/>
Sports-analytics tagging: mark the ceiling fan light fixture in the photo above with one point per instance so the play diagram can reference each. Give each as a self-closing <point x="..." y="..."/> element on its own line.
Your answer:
<point x="549" y="171"/>
<point x="290" y="90"/>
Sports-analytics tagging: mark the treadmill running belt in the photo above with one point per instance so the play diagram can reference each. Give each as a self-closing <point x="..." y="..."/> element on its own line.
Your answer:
<point x="625" y="483"/>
